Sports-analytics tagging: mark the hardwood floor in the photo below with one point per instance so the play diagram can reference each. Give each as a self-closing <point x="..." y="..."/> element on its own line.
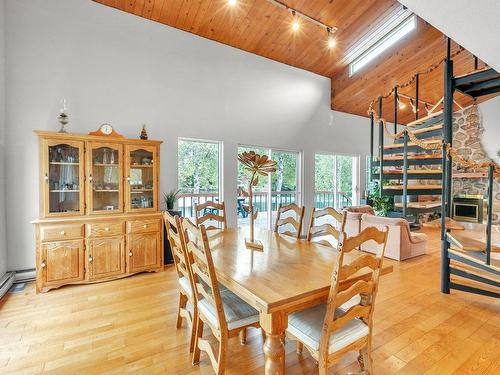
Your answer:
<point x="128" y="326"/>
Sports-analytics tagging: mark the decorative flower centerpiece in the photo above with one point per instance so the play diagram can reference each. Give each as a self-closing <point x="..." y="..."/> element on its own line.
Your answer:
<point x="256" y="165"/>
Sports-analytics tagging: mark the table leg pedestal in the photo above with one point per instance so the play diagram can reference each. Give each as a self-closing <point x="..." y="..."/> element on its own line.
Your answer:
<point x="274" y="350"/>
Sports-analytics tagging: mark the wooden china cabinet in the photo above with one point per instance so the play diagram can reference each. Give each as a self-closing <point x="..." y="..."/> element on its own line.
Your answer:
<point x="99" y="208"/>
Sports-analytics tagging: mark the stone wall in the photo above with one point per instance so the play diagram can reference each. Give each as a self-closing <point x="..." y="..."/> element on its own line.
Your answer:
<point x="467" y="133"/>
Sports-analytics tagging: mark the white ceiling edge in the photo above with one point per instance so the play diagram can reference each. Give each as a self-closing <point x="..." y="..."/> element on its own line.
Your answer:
<point x="472" y="24"/>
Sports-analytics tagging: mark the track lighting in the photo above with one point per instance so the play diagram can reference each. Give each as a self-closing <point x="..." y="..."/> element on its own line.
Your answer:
<point x="295" y="24"/>
<point x="331" y="40"/>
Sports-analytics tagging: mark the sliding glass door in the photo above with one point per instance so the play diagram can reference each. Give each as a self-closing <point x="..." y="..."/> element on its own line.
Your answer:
<point x="281" y="187"/>
<point x="336" y="180"/>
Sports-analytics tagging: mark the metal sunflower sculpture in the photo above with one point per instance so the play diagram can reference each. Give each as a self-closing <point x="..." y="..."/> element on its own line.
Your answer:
<point x="257" y="165"/>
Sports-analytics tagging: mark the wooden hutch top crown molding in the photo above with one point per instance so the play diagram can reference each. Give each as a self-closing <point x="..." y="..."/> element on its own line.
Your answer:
<point x="98" y="138"/>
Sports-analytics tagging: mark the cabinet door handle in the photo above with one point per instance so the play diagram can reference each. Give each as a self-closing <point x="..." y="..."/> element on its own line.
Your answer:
<point x="90" y="259"/>
<point x="130" y="253"/>
<point x="43" y="264"/>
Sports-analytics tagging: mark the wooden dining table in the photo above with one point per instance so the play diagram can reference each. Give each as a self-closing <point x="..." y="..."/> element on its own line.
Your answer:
<point x="288" y="275"/>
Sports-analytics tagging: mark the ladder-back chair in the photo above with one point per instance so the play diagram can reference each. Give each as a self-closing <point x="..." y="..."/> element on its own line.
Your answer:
<point x="333" y="225"/>
<point x="210" y="211"/>
<point x="295" y="222"/>
<point x="186" y="295"/>
<point x="225" y="313"/>
<point x="329" y="331"/>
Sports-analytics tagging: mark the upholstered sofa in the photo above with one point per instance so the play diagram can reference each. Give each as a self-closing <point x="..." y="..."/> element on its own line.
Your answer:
<point x="401" y="243"/>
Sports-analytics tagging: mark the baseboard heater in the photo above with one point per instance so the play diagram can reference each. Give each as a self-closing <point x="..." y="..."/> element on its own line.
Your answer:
<point x="6" y="282"/>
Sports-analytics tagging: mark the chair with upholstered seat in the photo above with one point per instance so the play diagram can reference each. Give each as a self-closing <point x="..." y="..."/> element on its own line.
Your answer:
<point x="331" y="330"/>
<point x="174" y="236"/>
<point x="325" y="226"/>
<point x="210" y="211"/>
<point x="282" y="223"/>
<point x="225" y="313"/>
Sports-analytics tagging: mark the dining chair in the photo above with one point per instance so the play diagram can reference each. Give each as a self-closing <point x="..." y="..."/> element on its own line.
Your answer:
<point x="210" y="211"/>
<point x="333" y="223"/>
<point x="223" y="311"/>
<point x="295" y="222"/>
<point x="329" y="331"/>
<point x="185" y="278"/>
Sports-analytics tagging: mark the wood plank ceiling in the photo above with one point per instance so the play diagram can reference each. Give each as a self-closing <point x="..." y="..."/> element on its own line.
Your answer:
<point x="259" y="27"/>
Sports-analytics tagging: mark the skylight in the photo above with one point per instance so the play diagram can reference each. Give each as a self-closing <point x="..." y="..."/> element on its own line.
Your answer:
<point x="393" y="29"/>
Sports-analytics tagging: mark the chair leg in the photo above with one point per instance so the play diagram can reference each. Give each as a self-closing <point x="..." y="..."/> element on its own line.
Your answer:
<point x="199" y="334"/>
<point x="182" y="305"/>
<point x="221" y="362"/>
<point x="193" y="331"/>
<point x="300" y="347"/>
<point x="365" y="360"/>
<point x="243" y="336"/>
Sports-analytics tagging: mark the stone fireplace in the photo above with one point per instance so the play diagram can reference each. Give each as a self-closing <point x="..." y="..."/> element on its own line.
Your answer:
<point x="467" y="131"/>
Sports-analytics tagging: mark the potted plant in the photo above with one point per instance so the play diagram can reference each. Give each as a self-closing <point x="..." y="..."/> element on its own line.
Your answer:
<point x="382" y="205"/>
<point x="170" y="198"/>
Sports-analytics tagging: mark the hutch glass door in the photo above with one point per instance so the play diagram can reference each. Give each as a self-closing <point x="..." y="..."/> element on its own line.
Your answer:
<point x="105" y="177"/>
<point x="63" y="177"/>
<point x="141" y="178"/>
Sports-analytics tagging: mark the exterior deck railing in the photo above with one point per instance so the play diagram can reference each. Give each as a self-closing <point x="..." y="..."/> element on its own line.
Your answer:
<point x="322" y="199"/>
<point x="337" y="199"/>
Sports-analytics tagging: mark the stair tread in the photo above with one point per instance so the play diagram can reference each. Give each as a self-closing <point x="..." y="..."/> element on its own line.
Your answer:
<point x="429" y="129"/>
<point x="413" y="157"/>
<point x="474" y="271"/>
<point x="413" y="187"/>
<point x="422" y="205"/>
<point x="410" y="144"/>
<point x="420" y="121"/>
<point x="474" y="284"/>
<point x="494" y="264"/>
<point x="413" y="171"/>
<point x="475" y="240"/>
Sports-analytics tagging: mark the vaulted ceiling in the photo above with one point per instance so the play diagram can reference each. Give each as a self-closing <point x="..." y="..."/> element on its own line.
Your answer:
<point x="259" y="27"/>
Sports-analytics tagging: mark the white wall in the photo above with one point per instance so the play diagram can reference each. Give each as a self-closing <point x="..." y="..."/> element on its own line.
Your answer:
<point x="473" y="24"/>
<point x="118" y="68"/>
<point x="490" y="113"/>
<point x="3" y="244"/>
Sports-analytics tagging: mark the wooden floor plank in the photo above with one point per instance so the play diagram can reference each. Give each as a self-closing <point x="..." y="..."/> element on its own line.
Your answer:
<point x="128" y="327"/>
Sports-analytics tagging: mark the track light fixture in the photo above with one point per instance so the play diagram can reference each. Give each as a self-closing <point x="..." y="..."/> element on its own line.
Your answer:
<point x="297" y="16"/>
<point x="331" y="40"/>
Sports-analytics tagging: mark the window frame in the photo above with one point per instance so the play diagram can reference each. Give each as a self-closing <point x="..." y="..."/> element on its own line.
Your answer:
<point x="220" y="162"/>
<point x="391" y="37"/>
<point x="298" y="176"/>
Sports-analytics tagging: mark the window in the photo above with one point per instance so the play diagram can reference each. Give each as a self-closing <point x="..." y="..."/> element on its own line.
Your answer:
<point x="199" y="173"/>
<point x="336" y="180"/>
<point x="281" y="187"/>
<point x="393" y="29"/>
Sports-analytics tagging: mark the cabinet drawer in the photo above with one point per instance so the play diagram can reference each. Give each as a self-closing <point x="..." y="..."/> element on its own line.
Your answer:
<point x="105" y="229"/>
<point x="61" y="232"/>
<point x="144" y="226"/>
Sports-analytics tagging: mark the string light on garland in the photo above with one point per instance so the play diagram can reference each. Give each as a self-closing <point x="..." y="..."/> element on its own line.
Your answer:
<point x="401" y="105"/>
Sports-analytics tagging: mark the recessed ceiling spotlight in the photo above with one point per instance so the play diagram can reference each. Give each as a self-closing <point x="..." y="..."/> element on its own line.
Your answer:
<point x="231" y="2"/>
